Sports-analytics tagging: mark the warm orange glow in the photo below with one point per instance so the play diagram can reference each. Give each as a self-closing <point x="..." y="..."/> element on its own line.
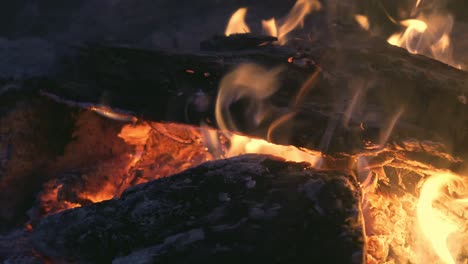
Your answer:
<point x="269" y="27"/>
<point x="247" y="145"/>
<point x="411" y="37"/>
<point x="237" y="23"/>
<point x="106" y="192"/>
<point x="436" y="226"/>
<point x="135" y="134"/>
<point x="428" y="34"/>
<point x="257" y="84"/>
<point x="363" y="21"/>
<point x="50" y="201"/>
<point x="109" y="113"/>
<point x="296" y="17"/>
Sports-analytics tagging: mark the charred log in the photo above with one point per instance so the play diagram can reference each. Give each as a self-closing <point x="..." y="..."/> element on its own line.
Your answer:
<point x="247" y="209"/>
<point x="366" y="91"/>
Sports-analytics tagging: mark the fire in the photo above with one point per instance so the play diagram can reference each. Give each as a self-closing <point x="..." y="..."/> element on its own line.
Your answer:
<point x="396" y="217"/>
<point x="436" y="226"/>
<point x="428" y="34"/>
<point x="112" y="114"/>
<point x="363" y="21"/>
<point x="296" y="17"/>
<point x="245" y="145"/>
<point x="411" y="38"/>
<point x="271" y="27"/>
<point x="425" y="32"/>
<point x="237" y="23"/>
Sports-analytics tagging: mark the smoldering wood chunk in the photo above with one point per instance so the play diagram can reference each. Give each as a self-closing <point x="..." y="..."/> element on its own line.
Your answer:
<point x="366" y="91"/>
<point x="248" y="209"/>
<point x="236" y="42"/>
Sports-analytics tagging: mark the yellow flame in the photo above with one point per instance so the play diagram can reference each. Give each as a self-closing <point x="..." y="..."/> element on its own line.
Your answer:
<point x="244" y="145"/>
<point x="363" y="21"/>
<point x="411" y="37"/>
<point x="296" y="17"/>
<point x="427" y="34"/>
<point x="436" y="226"/>
<point x="111" y="114"/>
<point x="269" y="27"/>
<point x="237" y="23"/>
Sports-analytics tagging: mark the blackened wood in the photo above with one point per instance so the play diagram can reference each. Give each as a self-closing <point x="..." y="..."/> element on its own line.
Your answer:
<point x="236" y="42"/>
<point x="248" y="209"/>
<point x="425" y="99"/>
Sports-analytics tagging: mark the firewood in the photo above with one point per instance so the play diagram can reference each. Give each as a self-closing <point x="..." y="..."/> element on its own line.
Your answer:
<point x="366" y="91"/>
<point x="250" y="209"/>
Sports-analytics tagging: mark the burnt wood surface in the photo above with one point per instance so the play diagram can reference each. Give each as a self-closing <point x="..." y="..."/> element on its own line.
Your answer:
<point x="364" y="86"/>
<point x="247" y="209"/>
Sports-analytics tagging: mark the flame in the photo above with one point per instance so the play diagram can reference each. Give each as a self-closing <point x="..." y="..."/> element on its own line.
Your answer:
<point x="237" y="23"/>
<point x="256" y="83"/>
<point x="296" y="17"/>
<point x="427" y="34"/>
<point x="363" y="21"/>
<point x="411" y="38"/>
<point x="112" y="114"/>
<point x="269" y="27"/>
<point x="293" y="20"/>
<point x="245" y="145"/>
<point x="248" y="81"/>
<point x="436" y="226"/>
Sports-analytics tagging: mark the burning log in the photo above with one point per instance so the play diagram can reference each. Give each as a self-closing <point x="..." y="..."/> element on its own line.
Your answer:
<point x="249" y="209"/>
<point x="358" y="90"/>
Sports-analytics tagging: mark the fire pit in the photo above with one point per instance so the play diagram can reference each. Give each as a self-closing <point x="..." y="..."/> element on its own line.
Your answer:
<point x="269" y="144"/>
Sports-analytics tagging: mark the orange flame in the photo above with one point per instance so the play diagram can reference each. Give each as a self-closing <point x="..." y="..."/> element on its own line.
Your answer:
<point x="296" y="17"/>
<point x="293" y="20"/>
<point x="427" y="34"/>
<point x="269" y="27"/>
<point x="363" y="21"/>
<point x="437" y="228"/>
<point x="237" y="23"/>
<point x="109" y="113"/>
<point x="411" y="37"/>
